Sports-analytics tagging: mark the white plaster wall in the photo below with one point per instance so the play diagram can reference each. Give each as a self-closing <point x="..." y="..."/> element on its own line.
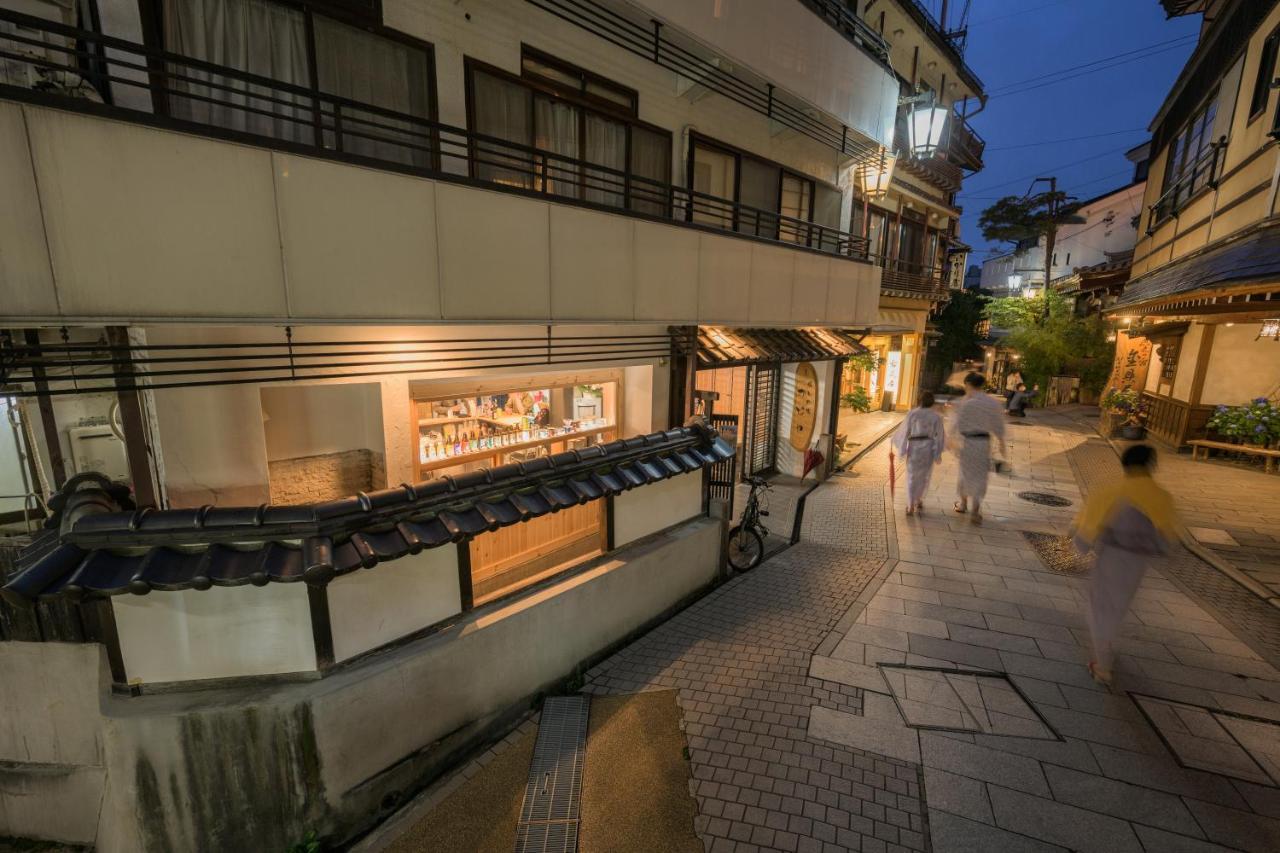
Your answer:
<point x="1240" y="367"/>
<point x="655" y="507"/>
<point x="369" y="608"/>
<point x="789" y="460"/>
<point x="26" y="278"/>
<point x="308" y="420"/>
<point x="49" y="703"/>
<point x="799" y="52"/>
<point x="640" y="405"/>
<point x="1188" y="356"/>
<point x="495" y="657"/>
<point x="215" y="633"/>
<point x="213" y="445"/>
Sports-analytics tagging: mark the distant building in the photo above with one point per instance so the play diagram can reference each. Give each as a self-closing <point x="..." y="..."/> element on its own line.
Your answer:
<point x="973" y="277"/>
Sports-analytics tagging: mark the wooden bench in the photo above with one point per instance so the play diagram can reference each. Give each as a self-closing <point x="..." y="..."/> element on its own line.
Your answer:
<point x="1203" y="445"/>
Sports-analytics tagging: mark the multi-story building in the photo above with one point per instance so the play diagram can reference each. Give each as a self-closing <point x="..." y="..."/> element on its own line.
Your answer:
<point x="1203" y="304"/>
<point x="908" y="211"/>
<point x="349" y="350"/>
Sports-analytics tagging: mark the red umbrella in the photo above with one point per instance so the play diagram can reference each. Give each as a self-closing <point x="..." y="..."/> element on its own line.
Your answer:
<point x="812" y="459"/>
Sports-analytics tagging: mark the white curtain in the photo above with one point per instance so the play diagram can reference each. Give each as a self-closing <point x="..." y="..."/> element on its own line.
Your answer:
<point x="651" y="160"/>
<point x="606" y="143"/>
<point x="556" y="130"/>
<point x="248" y="35"/>
<point x="368" y="68"/>
<point x="501" y="109"/>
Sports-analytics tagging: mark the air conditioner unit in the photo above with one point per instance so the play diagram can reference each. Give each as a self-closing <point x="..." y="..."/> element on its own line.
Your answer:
<point x="47" y="60"/>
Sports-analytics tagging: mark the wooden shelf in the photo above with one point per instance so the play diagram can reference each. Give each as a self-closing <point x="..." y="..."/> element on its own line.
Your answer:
<point x="490" y="455"/>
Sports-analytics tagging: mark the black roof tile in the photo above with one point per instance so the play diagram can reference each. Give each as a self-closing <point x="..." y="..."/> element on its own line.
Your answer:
<point x="1253" y="257"/>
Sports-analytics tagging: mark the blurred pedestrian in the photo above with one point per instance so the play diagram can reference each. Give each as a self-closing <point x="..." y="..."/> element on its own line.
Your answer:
<point x="920" y="441"/>
<point x="1124" y="524"/>
<point x="1011" y="383"/>
<point x="978" y="420"/>
<point x="1020" y="400"/>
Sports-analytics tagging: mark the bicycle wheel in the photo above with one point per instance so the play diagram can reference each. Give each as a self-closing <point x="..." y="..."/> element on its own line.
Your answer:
<point x="746" y="548"/>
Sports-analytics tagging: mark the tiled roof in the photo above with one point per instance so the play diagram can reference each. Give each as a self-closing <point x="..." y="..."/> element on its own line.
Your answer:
<point x="96" y="544"/>
<point x="1254" y="257"/>
<point x="721" y="347"/>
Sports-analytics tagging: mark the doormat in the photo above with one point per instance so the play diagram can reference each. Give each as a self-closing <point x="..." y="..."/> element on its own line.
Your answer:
<point x="1058" y="554"/>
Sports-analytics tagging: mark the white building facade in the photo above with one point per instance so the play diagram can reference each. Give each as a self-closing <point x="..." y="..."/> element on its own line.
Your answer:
<point x="350" y="347"/>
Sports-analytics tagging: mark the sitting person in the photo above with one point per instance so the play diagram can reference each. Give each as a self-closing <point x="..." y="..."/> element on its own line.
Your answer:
<point x="1020" y="400"/>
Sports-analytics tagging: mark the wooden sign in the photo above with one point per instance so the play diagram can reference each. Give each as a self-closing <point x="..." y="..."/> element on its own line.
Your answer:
<point x="804" y="406"/>
<point x="1133" y="357"/>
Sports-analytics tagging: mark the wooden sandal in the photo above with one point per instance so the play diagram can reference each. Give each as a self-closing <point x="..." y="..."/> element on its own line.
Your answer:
<point x="960" y="509"/>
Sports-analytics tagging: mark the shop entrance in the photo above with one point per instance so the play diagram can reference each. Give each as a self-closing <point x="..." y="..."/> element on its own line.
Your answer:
<point x="761" y="430"/>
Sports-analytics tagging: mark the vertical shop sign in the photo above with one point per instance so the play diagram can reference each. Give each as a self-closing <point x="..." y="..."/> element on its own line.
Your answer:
<point x="804" y="412"/>
<point x="1133" y="357"/>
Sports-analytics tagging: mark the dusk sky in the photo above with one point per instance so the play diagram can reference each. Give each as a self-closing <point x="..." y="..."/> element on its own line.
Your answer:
<point x="1029" y="131"/>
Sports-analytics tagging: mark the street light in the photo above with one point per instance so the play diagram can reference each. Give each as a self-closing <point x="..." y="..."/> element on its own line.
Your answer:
<point x="874" y="176"/>
<point x="925" y="124"/>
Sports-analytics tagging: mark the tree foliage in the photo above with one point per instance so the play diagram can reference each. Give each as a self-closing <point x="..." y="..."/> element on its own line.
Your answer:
<point x="959" y="340"/>
<point x="1052" y="340"/>
<point x="1014" y="219"/>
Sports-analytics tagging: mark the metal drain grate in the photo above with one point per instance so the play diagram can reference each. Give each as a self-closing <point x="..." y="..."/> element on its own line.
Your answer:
<point x="1044" y="498"/>
<point x="1058" y="554"/>
<point x="552" y="796"/>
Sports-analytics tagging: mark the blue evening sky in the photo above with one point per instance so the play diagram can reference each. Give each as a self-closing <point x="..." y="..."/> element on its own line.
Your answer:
<point x="1011" y="41"/>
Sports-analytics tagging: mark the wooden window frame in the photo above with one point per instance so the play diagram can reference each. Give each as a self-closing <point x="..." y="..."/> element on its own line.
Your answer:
<point x="152" y="15"/>
<point x="1177" y="170"/>
<point x="1265" y="74"/>
<point x="538" y="85"/>
<point x="699" y="139"/>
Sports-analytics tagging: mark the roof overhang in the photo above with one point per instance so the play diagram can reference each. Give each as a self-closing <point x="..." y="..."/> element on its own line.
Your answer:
<point x="724" y="347"/>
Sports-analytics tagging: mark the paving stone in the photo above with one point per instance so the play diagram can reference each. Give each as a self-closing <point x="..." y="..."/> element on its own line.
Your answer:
<point x="1161" y="772"/>
<point x="1130" y="802"/>
<point x="977" y="762"/>
<point x="959" y="653"/>
<point x="958" y="795"/>
<point x="993" y="639"/>
<point x="1058" y="823"/>
<point x="846" y="672"/>
<point x="1240" y="829"/>
<point x="885" y="736"/>
<point x="1167" y="842"/>
<point x="952" y="834"/>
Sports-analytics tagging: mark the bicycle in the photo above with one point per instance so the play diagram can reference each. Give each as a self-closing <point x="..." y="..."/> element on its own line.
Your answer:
<point x="746" y="540"/>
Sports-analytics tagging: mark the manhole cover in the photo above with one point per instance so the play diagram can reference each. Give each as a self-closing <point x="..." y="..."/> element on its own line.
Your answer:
<point x="1044" y="498"/>
<point x="1058" y="554"/>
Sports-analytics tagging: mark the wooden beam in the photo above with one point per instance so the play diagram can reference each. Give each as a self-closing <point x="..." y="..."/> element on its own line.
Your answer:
<point x="1202" y="364"/>
<point x="48" y="423"/>
<point x="137" y="450"/>
<point x="321" y="625"/>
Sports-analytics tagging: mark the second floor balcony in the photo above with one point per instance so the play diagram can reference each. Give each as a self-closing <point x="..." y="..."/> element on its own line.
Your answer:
<point x="608" y="206"/>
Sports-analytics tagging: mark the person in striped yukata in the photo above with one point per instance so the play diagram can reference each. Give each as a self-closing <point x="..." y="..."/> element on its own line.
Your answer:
<point x="979" y="418"/>
<point x="920" y="441"/>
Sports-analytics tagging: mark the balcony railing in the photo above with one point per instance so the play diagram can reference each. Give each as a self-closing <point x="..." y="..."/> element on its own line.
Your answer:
<point x="912" y="278"/>
<point x="65" y="67"/>
<point x="1200" y="174"/>
<point x="965" y="147"/>
<point x="846" y="22"/>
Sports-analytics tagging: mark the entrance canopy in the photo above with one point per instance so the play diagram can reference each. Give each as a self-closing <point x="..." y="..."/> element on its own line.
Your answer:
<point x="723" y="347"/>
<point x="898" y="320"/>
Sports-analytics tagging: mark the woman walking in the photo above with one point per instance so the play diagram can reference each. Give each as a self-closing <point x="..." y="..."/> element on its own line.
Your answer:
<point x="1124" y="525"/>
<point x="919" y="441"/>
<point x="978" y="419"/>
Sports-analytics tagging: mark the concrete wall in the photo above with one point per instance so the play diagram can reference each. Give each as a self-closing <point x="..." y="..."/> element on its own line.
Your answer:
<point x="649" y="509"/>
<point x="221" y="632"/>
<point x="299" y="258"/>
<point x="1188" y="356"/>
<point x="316" y="755"/>
<point x="1241" y="367"/>
<point x="371" y="608"/>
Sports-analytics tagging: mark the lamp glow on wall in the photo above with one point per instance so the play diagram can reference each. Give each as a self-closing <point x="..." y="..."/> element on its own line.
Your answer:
<point x="1270" y="329"/>
<point x="925" y="124"/>
<point x="874" y="176"/>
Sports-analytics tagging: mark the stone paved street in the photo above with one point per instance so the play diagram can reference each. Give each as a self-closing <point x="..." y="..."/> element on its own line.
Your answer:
<point x="920" y="683"/>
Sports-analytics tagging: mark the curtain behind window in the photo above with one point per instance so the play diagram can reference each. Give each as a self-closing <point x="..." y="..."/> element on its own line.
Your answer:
<point x="556" y="131"/>
<point x="650" y="161"/>
<point x="758" y="192"/>
<point x="246" y="35"/>
<point x="502" y="109"/>
<point x="368" y="68"/>
<point x="606" y="144"/>
<point x="714" y="175"/>
<point x="826" y="212"/>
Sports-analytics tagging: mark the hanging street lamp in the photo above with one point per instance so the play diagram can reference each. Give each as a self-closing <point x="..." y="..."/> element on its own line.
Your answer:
<point x="874" y="176"/>
<point x="926" y="121"/>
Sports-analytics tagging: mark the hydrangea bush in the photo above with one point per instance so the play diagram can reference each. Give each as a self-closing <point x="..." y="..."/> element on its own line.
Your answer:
<point x="1128" y="404"/>
<point x="1256" y="422"/>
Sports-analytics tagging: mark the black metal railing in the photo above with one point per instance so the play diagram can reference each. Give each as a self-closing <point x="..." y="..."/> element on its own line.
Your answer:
<point x="965" y="147"/>
<point x="1195" y="177"/>
<point x="846" y="22"/>
<point x="68" y="70"/>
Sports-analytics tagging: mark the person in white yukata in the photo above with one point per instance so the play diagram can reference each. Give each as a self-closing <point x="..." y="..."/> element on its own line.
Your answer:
<point x="978" y="419"/>
<point x="920" y="440"/>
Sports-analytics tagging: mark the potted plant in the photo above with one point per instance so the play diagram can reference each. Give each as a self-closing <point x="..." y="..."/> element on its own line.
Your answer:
<point x="1256" y="422"/>
<point x="857" y="399"/>
<point x="1130" y="409"/>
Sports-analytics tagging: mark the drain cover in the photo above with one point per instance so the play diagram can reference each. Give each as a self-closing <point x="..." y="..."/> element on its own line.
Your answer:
<point x="553" y="793"/>
<point x="1044" y="498"/>
<point x="1058" y="554"/>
